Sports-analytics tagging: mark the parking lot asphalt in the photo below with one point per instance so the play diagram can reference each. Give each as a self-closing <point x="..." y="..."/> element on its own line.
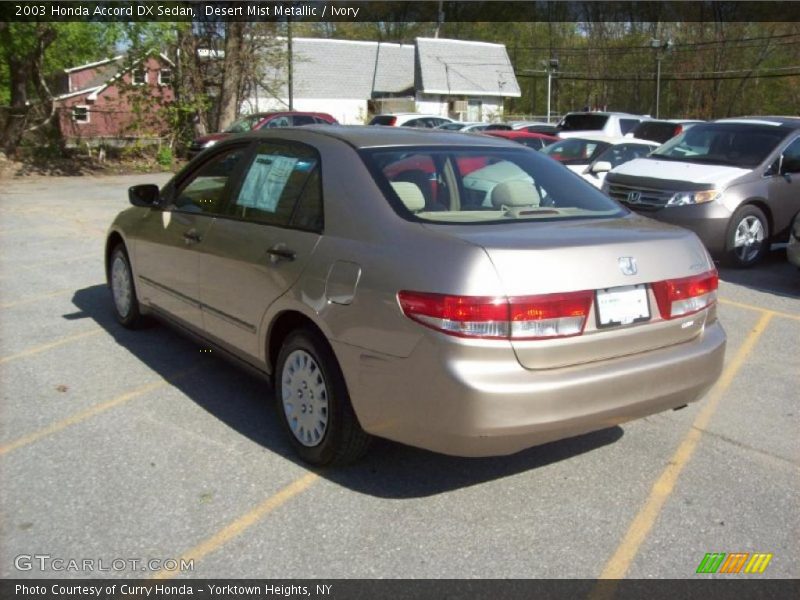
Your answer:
<point x="140" y="445"/>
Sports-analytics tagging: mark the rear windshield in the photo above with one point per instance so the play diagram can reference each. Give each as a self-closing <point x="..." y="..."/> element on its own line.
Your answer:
<point x="582" y="122"/>
<point x="655" y="131"/>
<point x="731" y="144"/>
<point x="483" y="185"/>
<point x="575" y="151"/>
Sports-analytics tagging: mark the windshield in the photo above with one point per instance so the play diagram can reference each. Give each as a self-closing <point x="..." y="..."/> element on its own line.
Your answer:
<point x="483" y="185"/>
<point x="243" y="125"/>
<point x="581" y="122"/>
<point x="622" y="153"/>
<point x="575" y="151"/>
<point x="733" y="144"/>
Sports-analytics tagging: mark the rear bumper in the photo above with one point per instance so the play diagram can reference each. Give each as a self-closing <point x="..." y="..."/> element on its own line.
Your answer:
<point x="709" y="221"/>
<point x="460" y="402"/>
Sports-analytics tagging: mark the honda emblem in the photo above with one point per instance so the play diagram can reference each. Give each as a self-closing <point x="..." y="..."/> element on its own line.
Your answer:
<point x="627" y="264"/>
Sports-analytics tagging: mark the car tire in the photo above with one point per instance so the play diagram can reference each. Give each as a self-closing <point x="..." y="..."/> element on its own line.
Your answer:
<point x="313" y="403"/>
<point x="747" y="239"/>
<point x="123" y="290"/>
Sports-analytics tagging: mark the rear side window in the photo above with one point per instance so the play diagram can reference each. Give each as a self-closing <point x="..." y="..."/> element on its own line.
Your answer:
<point x="483" y="185"/>
<point x="281" y="187"/>
<point x="302" y="120"/>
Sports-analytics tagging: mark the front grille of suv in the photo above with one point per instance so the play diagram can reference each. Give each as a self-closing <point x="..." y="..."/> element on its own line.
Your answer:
<point x="639" y="198"/>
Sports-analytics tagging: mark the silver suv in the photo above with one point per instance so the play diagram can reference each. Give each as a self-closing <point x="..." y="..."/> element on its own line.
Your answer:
<point x="734" y="182"/>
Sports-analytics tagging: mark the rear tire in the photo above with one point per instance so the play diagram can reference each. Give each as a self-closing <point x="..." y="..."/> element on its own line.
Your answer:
<point x="747" y="239"/>
<point x="313" y="403"/>
<point x="123" y="290"/>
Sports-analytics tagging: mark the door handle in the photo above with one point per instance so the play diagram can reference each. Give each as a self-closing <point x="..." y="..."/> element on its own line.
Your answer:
<point x="191" y="236"/>
<point x="280" y="252"/>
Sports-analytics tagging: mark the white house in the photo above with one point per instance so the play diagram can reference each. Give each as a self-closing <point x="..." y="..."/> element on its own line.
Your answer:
<point x="350" y="79"/>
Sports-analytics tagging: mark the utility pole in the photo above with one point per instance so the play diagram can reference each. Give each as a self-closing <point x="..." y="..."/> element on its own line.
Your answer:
<point x="291" y="82"/>
<point x="439" y="18"/>
<point x="661" y="50"/>
<point x="552" y="67"/>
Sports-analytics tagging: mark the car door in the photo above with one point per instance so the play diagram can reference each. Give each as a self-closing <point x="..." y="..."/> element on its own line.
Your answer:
<point x="169" y="239"/>
<point x="258" y="250"/>
<point x="784" y="188"/>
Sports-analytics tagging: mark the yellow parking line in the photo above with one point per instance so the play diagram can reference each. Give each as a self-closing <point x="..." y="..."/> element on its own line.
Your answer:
<point x="247" y="520"/>
<point x="31" y="299"/>
<point x="620" y="562"/>
<point x="92" y="411"/>
<point x="49" y="345"/>
<point x="777" y="313"/>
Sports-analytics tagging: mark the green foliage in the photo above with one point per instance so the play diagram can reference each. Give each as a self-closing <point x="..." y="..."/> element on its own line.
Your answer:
<point x="164" y="156"/>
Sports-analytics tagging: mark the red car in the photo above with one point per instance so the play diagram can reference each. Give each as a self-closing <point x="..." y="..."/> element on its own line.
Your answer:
<point x="261" y="121"/>
<point x="537" y="141"/>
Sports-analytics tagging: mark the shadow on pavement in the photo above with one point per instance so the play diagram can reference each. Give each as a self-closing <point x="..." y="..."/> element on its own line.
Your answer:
<point x="774" y="275"/>
<point x="244" y="402"/>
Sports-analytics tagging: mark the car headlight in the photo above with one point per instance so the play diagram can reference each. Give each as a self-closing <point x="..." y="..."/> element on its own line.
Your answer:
<point x="685" y="198"/>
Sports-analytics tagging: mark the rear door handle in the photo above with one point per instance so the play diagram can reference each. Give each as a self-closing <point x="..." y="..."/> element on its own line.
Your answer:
<point x="191" y="236"/>
<point x="281" y="252"/>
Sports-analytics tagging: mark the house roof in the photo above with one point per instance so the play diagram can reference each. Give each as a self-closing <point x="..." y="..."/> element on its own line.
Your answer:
<point x="327" y="68"/>
<point x="456" y="67"/>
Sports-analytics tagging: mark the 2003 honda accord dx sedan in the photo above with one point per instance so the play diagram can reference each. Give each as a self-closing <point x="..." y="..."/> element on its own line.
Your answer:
<point x="454" y="292"/>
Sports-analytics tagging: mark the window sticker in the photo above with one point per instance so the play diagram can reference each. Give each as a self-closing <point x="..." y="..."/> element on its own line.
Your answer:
<point x="265" y="182"/>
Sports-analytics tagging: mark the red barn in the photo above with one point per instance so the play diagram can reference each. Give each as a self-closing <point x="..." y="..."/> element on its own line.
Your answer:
<point x="115" y="101"/>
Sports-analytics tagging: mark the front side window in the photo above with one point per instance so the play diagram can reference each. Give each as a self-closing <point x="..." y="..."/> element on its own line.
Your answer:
<point x="791" y="157"/>
<point x="281" y="187"/>
<point x="483" y="185"/>
<point x="730" y="144"/>
<point x="204" y="191"/>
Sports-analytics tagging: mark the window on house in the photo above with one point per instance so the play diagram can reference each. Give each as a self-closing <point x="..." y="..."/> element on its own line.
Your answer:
<point x="165" y="77"/>
<point x="139" y="77"/>
<point x="80" y="114"/>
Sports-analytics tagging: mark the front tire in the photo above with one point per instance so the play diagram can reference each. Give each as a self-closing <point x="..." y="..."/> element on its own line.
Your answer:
<point x="123" y="291"/>
<point x="747" y="239"/>
<point x="313" y="403"/>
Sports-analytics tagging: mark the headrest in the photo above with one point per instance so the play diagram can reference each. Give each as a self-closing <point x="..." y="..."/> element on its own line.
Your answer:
<point x="410" y="194"/>
<point x="515" y="193"/>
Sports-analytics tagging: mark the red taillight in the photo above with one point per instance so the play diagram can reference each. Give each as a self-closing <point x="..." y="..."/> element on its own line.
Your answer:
<point x="681" y="297"/>
<point x="678" y="129"/>
<point x="392" y="121"/>
<point x="522" y="317"/>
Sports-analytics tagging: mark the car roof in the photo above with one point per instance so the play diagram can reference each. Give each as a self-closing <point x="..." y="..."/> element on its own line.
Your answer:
<point x="367" y="136"/>
<point x="606" y="114"/>
<point x="793" y="122"/>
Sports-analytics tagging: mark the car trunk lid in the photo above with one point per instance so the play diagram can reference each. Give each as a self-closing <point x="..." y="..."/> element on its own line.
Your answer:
<point x="534" y="259"/>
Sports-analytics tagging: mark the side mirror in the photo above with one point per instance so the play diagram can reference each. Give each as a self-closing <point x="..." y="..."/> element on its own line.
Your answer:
<point x="788" y="166"/>
<point x="145" y="195"/>
<point x="602" y="166"/>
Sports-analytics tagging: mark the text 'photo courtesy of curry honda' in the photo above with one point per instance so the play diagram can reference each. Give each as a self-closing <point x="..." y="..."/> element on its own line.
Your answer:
<point x="454" y="292"/>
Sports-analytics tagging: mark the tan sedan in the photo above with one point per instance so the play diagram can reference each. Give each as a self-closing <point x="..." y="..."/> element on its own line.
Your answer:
<point x="453" y="292"/>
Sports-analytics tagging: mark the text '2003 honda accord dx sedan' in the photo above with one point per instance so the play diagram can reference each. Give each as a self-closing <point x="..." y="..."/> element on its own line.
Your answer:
<point x="452" y="292"/>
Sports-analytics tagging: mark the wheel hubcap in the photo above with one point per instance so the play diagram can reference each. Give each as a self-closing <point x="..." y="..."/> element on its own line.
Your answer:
<point x="305" y="398"/>
<point x="121" y="286"/>
<point x="748" y="239"/>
